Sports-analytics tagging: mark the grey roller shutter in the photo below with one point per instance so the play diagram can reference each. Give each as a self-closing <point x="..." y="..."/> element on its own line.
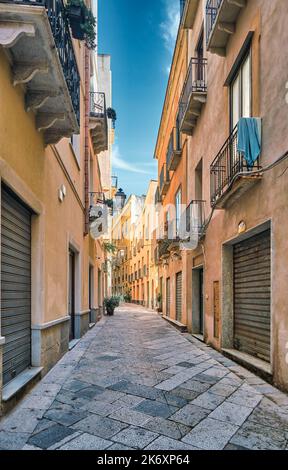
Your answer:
<point x="252" y="296"/>
<point x="15" y="285"/>
<point x="179" y="296"/>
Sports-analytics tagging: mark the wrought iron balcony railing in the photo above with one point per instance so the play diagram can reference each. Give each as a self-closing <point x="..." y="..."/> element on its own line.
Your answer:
<point x="195" y="218"/>
<point x="164" y="180"/>
<point x="195" y="83"/>
<point x="212" y="8"/>
<point x="227" y="165"/>
<point x="97" y="104"/>
<point x="63" y="42"/>
<point x="174" y="149"/>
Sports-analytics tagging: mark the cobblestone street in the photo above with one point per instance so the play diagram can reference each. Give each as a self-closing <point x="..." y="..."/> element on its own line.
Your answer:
<point x="134" y="382"/>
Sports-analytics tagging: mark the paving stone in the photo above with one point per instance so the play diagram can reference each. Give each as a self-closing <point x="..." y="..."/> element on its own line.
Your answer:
<point x="208" y="400"/>
<point x="187" y="395"/>
<point x="196" y="386"/>
<point x="155" y="408"/>
<point x="173" y="399"/>
<point x="138" y="390"/>
<point x="190" y="415"/>
<point x="86" y="442"/>
<point x="69" y="398"/>
<point x="42" y="425"/>
<point x="102" y="408"/>
<point x="21" y="421"/>
<point x="67" y="418"/>
<point x="46" y="389"/>
<point x="166" y="427"/>
<point x="257" y="437"/>
<point x="89" y="392"/>
<point x="37" y="402"/>
<point x="269" y="414"/>
<point x="185" y="364"/>
<point x="222" y="389"/>
<point x="245" y="398"/>
<point x="231" y="413"/>
<point x="50" y="436"/>
<point x="28" y="447"/>
<point x="206" y="379"/>
<point x="13" y="440"/>
<point x="210" y="434"/>
<point x="234" y="447"/>
<point x="136" y="437"/>
<point x="118" y="446"/>
<point x="99" y="426"/>
<point x="216" y="372"/>
<point x="129" y="416"/>
<point x="75" y="385"/>
<point x="129" y="400"/>
<point x="166" y="443"/>
<point x="110" y="396"/>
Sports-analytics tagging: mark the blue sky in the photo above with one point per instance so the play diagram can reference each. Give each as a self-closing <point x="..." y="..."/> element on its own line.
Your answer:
<point x="140" y="36"/>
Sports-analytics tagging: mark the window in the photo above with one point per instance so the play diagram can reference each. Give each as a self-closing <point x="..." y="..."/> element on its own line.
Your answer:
<point x="178" y="201"/>
<point x="241" y="92"/>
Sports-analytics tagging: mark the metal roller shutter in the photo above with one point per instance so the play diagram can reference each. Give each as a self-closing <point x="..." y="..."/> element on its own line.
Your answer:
<point x="179" y="296"/>
<point x="168" y="297"/>
<point x="15" y="285"/>
<point x="252" y="295"/>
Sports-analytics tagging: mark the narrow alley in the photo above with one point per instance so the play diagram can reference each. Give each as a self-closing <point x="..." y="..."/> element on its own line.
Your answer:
<point x="135" y="382"/>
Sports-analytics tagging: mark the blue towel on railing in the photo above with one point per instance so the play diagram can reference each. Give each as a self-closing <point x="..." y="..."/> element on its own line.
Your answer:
<point x="249" y="144"/>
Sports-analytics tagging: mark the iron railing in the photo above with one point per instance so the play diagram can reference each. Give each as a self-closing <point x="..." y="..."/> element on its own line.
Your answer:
<point x="97" y="104"/>
<point x="63" y="42"/>
<point x="174" y="145"/>
<point x="212" y="8"/>
<point x="195" y="82"/>
<point x="195" y="218"/>
<point x="227" y="165"/>
<point x="164" y="177"/>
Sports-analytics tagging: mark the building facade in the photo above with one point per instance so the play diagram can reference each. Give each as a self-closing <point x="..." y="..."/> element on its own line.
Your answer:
<point x="53" y="126"/>
<point x="234" y="273"/>
<point x="133" y="234"/>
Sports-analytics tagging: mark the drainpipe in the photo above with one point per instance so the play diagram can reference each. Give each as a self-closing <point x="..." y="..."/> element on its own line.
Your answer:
<point x="86" y="139"/>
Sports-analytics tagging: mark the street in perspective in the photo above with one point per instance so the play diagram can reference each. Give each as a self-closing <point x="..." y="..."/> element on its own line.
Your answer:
<point x="144" y="221"/>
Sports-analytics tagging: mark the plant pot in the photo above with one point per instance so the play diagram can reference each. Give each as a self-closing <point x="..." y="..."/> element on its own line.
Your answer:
<point x="110" y="312"/>
<point x="76" y="18"/>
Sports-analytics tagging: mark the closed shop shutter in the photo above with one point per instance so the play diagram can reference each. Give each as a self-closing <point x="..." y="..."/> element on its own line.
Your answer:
<point x="252" y="296"/>
<point x="168" y="297"/>
<point x="15" y="285"/>
<point x="179" y="297"/>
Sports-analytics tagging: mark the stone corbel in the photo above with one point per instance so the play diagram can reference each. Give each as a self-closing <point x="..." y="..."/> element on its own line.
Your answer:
<point x="221" y="51"/>
<point x="200" y="98"/>
<point x="52" y="137"/>
<point x="46" y="120"/>
<point x="36" y="99"/>
<point x="238" y="3"/>
<point x="23" y="73"/>
<point x="12" y="31"/>
<point x="228" y="28"/>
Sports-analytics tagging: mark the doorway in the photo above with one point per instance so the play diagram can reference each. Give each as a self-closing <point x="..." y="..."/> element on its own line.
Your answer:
<point x="198" y="301"/>
<point x="91" y="294"/>
<point x="71" y="295"/>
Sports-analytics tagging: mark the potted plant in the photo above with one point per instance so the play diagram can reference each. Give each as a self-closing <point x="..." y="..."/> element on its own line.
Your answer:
<point x="75" y="15"/>
<point x="111" y="303"/>
<point x="109" y="203"/>
<point x="82" y="22"/>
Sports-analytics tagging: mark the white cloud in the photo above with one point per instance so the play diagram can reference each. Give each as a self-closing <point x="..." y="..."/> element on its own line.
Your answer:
<point x="120" y="164"/>
<point x="169" y="27"/>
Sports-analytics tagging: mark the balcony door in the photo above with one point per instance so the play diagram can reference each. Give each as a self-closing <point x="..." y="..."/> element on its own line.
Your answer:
<point x="241" y="93"/>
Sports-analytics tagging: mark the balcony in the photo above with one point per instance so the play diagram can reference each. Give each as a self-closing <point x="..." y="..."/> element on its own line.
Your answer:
<point x="164" y="180"/>
<point x="174" y="151"/>
<point x="37" y="37"/>
<point x="221" y="17"/>
<point x="195" y="221"/>
<point x="157" y="197"/>
<point x="98" y="124"/>
<point x="194" y="95"/>
<point x="230" y="177"/>
<point x="163" y="248"/>
<point x="188" y="13"/>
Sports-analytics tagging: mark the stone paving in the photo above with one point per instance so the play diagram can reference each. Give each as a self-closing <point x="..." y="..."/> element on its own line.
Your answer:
<point x="134" y="382"/>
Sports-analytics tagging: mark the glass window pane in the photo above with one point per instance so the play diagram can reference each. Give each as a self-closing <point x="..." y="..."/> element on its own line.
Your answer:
<point x="236" y="102"/>
<point x="246" y="88"/>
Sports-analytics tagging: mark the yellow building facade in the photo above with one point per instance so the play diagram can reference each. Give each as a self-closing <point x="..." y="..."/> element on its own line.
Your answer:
<point x="52" y="280"/>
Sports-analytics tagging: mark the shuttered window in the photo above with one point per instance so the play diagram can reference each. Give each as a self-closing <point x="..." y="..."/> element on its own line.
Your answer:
<point x="252" y="296"/>
<point x="15" y="285"/>
<point x="179" y="296"/>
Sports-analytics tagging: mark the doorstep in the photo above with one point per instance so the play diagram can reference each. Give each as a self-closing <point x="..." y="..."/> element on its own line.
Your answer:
<point x="258" y="366"/>
<point x="180" y="326"/>
<point x="91" y="325"/>
<point x="199" y="337"/>
<point x="73" y="343"/>
<point x="17" y="384"/>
